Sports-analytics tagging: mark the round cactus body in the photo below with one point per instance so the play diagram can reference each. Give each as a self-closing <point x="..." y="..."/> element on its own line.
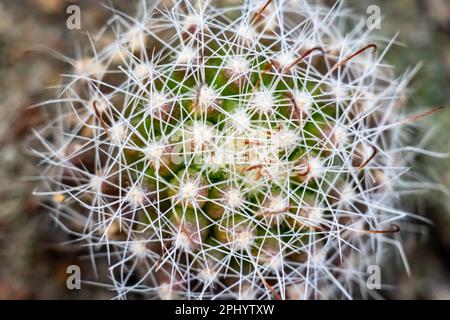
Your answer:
<point x="243" y="150"/>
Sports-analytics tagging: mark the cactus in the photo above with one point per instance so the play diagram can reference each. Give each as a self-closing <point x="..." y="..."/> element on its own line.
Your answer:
<point x="251" y="151"/>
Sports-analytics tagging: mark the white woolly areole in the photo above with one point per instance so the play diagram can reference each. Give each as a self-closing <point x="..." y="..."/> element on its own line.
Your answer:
<point x="242" y="240"/>
<point x="234" y="198"/>
<point x="341" y="137"/>
<point x="339" y="92"/>
<point x="315" y="167"/>
<point x="188" y="191"/>
<point x="186" y="56"/>
<point x="165" y="292"/>
<point x="246" y="33"/>
<point x="136" y="196"/>
<point x="142" y="71"/>
<point x="273" y="261"/>
<point x="206" y="275"/>
<point x="238" y="66"/>
<point x="118" y="133"/>
<point x="347" y="193"/>
<point x="139" y="248"/>
<point x="136" y="38"/>
<point x="315" y="214"/>
<point x="183" y="241"/>
<point x="263" y="101"/>
<point x="154" y="151"/>
<point x="89" y="66"/>
<point x="303" y="101"/>
<point x="247" y="293"/>
<point x="277" y="204"/>
<point x="206" y="97"/>
<point x="202" y="134"/>
<point x="285" y="139"/>
<point x="241" y="120"/>
<point x="285" y="59"/>
<point x="191" y="21"/>
<point x="156" y="101"/>
<point x="96" y="183"/>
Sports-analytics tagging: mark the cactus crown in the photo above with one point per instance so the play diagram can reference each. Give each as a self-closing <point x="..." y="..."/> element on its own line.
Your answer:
<point x="246" y="151"/>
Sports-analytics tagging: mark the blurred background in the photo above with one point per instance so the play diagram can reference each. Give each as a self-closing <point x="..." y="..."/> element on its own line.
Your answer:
<point x="32" y="260"/>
